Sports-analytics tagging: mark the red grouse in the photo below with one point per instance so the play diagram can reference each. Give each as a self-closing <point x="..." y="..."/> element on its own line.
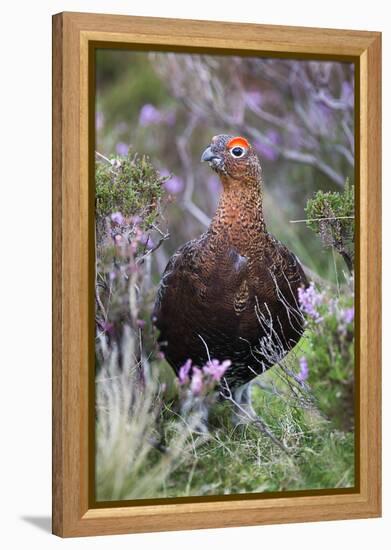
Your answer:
<point x="232" y="292"/>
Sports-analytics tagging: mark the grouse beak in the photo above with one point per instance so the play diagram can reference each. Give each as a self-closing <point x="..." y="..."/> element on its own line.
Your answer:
<point x="209" y="156"/>
<point x="214" y="160"/>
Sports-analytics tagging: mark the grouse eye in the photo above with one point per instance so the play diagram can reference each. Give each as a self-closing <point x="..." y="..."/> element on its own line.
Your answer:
<point x="237" y="152"/>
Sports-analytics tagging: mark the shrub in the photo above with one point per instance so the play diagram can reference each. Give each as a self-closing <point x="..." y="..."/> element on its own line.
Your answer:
<point x="331" y="215"/>
<point x="129" y="186"/>
<point x="129" y="203"/>
<point x="327" y="358"/>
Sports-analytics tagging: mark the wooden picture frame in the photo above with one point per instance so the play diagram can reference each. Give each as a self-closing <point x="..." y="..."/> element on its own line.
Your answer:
<point x="75" y="35"/>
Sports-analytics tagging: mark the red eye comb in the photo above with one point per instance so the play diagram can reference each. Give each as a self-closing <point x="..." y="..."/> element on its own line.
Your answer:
<point x="238" y="142"/>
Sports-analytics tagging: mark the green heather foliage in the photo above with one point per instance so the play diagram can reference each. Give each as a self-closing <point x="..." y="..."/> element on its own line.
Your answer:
<point x="328" y="353"/>
<point x="129" y="185"/>
<point x="331" y="215"/>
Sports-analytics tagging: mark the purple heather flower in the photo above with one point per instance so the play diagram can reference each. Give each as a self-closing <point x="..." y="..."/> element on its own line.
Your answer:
<point x="184" y="371"/>
<point x="117" y="218"/>
<point x="147" y="241"/>
<point x="309" y="300"/>
<point x="149" y="115"/>
<point x="112" y="275"/>
<point x="122" y="148"/>
<point x="140" y="323"/>
<point x="174" y="185"/>
<point x="196" y="383"/>
<point x="108" y="327"/>
<point x="303" y="374"/>
<point x="348" y="315"/>
<point x="216" y="369"/>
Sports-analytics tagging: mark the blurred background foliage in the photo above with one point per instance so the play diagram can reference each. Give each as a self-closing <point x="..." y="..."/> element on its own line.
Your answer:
<point x="297" y="114"/>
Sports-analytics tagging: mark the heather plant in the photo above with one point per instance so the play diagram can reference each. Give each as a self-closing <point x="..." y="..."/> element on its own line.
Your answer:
<point x="327" y="360"/>
<point x="199" y="387"/>
<point x="331" y="215"/>
<point x="132" y="188"/>
<point x="129" y="205"/>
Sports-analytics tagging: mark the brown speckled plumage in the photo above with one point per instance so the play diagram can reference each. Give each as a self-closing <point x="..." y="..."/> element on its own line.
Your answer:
<point x="231" y="293"/>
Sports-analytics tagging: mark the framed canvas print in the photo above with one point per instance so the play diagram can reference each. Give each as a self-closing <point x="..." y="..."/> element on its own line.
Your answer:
<point x="216" y="274"/>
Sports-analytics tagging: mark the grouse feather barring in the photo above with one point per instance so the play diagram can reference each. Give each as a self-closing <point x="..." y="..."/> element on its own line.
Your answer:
<point x="232" y="292"/>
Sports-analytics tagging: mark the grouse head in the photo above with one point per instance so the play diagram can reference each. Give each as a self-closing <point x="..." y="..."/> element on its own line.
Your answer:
<point x="232" y="157"/>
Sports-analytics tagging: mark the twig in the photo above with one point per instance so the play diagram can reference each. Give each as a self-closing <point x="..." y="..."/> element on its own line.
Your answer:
<point x="103" y="157"/>
<point x="141" y="259"/>
<point x="320" y="219"/>
<point x="156" y="228"/>
<point x="205" y="344"/>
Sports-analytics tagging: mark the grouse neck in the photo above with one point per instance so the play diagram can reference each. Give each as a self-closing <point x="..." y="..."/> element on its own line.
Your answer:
<point x="239" y="216"/>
